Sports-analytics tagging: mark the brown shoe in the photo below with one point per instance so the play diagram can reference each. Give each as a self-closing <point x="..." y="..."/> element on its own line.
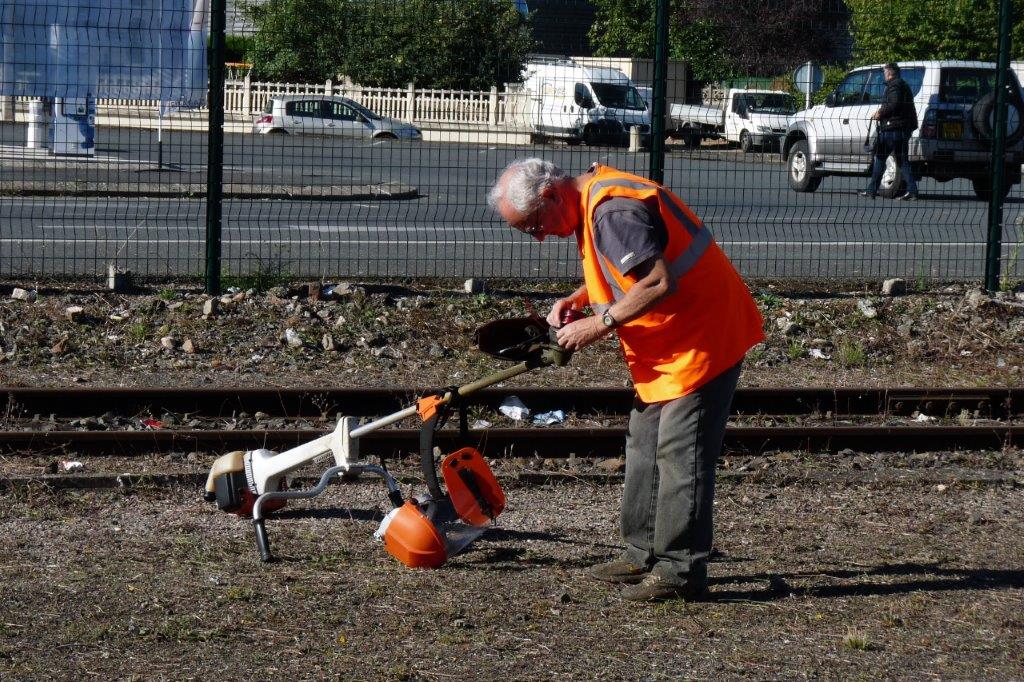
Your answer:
<point x="618" y="571"/>
<point x="656" y="588"/>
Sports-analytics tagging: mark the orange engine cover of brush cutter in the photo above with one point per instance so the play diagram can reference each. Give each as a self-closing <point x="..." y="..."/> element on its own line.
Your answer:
<point x="412" y="539"/>
<point x="472" y="487"/>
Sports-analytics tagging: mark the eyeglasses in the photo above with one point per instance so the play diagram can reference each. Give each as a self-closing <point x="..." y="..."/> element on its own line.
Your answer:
<point x="536" y="228"/>
<point x="533" y="226"/>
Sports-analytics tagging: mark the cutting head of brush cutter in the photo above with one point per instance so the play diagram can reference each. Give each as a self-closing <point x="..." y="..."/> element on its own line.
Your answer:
<point x="522" y="339"/>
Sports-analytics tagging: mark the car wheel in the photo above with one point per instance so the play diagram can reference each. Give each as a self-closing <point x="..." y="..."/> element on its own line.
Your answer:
<point x="745" y="143"/>
<point x="982" y="185"/>
<point x="801" y="179"/>
<point x="891" y="184"/>
<point x="387" y="137"/>
<point x="277" y="131"/>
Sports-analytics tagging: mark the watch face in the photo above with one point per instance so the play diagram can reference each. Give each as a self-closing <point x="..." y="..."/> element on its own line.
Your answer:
<point x="608" y="320"/>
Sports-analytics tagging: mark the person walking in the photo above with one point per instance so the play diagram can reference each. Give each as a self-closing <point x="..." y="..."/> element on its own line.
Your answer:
<point x="652" y="273"/>
<point x="896" y="120"/>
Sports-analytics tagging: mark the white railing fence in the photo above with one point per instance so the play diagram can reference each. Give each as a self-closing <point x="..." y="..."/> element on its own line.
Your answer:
<point x="244" y="98"/>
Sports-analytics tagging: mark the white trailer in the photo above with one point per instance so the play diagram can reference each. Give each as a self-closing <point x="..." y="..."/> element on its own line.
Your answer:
<point x="749" y="118"/>
<point x="584" y="103"/>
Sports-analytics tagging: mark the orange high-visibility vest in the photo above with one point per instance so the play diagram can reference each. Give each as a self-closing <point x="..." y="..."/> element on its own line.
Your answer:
<point x="695" y="333"/>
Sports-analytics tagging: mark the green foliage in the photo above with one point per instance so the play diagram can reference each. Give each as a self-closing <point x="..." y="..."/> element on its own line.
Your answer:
<point x="702" y="45"/>
<point x="623" y="28"/>
<point x="296" y="40"/>
<point x="236" y="47"/>
<point x="892" y="30"/>
<point x="471" y="44"/>
<point x="720" y="40"/>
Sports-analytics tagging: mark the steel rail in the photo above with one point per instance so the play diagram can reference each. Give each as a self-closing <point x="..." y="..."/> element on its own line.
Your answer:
<point x="523" y="442"/>
<point x="307" y="402"/>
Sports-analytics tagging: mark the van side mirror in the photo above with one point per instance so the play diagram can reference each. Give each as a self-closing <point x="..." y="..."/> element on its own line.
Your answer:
<point x="830" y="101"/>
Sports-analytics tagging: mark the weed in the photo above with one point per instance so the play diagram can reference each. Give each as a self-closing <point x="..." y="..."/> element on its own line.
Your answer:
<point x="851" y="354"/>
<point x="891" y="620"/>
<point x="1008" y="266"/>
<point x="270" y="273"/>
<point x="167" y="294"/>
<point x="756" y="353"/>
<point x="138" y="332"/>
<point x="856" y="640"/>
<point x="794" y="350"/>
<point x="768" y="299"/>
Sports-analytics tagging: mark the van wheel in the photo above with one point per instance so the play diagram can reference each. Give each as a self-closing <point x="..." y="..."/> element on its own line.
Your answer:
<point x="590" y="136"/>
<point x="982" y="185"/>
<point x="891" y="183"/>
<point x="801" y="179"/>
<point x="745" y="143"/>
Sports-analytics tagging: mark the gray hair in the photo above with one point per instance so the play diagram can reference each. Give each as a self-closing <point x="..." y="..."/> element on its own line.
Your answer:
<point x="524" y="181"/>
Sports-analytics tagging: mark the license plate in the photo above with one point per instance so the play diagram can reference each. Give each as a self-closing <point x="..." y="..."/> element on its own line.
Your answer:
<point x="952" y="131"/>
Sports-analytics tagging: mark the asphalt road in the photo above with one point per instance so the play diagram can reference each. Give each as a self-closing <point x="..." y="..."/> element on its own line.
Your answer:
<point x="448" y="230"/>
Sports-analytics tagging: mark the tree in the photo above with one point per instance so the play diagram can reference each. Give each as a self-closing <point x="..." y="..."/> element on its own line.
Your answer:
<point x="893" y="30"/>
<point x="470" y="44"/>
<point x="295" y="39"/>
<point x="722" y="39"/>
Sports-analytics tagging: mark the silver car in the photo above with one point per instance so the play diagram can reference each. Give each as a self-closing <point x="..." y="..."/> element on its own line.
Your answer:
<point x="321" y="115"/>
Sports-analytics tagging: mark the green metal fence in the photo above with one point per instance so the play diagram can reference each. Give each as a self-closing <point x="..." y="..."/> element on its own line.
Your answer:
<point x="358" y="138"/>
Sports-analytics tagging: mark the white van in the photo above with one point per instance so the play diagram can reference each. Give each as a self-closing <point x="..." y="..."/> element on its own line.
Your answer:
<point x="584" y="103"/>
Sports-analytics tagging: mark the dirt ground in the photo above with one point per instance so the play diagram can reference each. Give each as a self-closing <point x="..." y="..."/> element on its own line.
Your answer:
<point x="812" y="580"/>
<point x="885" y="566"/>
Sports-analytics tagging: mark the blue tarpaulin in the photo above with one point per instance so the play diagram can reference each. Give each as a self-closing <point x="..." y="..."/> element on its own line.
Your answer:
<point x="118" y="49"/>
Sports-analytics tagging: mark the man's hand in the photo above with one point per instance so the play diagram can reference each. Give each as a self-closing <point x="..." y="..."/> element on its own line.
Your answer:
<point x="581" y="333"/>
<point x="554" y="317"/>
<point x="875" y="116"/>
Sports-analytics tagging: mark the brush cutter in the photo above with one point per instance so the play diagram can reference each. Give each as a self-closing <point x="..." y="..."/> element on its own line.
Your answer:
<point x="423" y="531"/>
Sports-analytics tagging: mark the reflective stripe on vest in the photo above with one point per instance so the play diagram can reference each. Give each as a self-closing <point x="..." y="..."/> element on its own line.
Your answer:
<point x="681" y="264"/>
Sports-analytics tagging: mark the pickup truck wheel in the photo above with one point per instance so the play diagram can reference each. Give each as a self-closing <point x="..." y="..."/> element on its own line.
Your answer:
<point x="891" y="183"/>
<point x="745" y="143"/>
<point x="800" y="177"/>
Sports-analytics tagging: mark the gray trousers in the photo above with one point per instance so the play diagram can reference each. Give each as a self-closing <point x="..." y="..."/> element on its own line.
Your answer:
<point x="672" y="449"/>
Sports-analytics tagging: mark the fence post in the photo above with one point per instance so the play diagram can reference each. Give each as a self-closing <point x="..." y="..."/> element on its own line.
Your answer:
<point x="410" y="102"/>
<point x="329" y="87"/>
<point x="247" y="95"/>
<point x="994" y="247"/>
<point x="215" y="146"/>
<point x="657" y="167"/>
<point x="494" y="105"/>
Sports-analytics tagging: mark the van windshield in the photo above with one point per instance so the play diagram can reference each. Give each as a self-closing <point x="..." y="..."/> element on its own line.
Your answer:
<point x="770" y="103"/>
<point x="618" y="96"/>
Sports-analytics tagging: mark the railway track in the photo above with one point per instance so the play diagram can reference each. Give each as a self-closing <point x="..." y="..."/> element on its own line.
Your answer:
<point x="132" y="421"/>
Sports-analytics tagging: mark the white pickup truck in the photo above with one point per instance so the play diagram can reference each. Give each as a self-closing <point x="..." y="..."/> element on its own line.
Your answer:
<point x="749" y="118"/>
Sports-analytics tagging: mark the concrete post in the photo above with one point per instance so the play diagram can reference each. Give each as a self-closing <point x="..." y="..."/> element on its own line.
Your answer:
<point x="410" y="103"/>
<point x="634" y="139"/>
<point x="36" y="125"/>
<point x="247" y="95"/>
<point x="329" y="88"/>
<point x="494" y="106"/>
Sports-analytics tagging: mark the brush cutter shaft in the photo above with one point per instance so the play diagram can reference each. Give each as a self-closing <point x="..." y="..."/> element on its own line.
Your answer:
<point x="383" y="421"/>
<point x="410" y="411"/>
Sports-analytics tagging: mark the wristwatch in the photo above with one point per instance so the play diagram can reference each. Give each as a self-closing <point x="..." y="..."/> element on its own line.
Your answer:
<point x="608" y="320"/>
